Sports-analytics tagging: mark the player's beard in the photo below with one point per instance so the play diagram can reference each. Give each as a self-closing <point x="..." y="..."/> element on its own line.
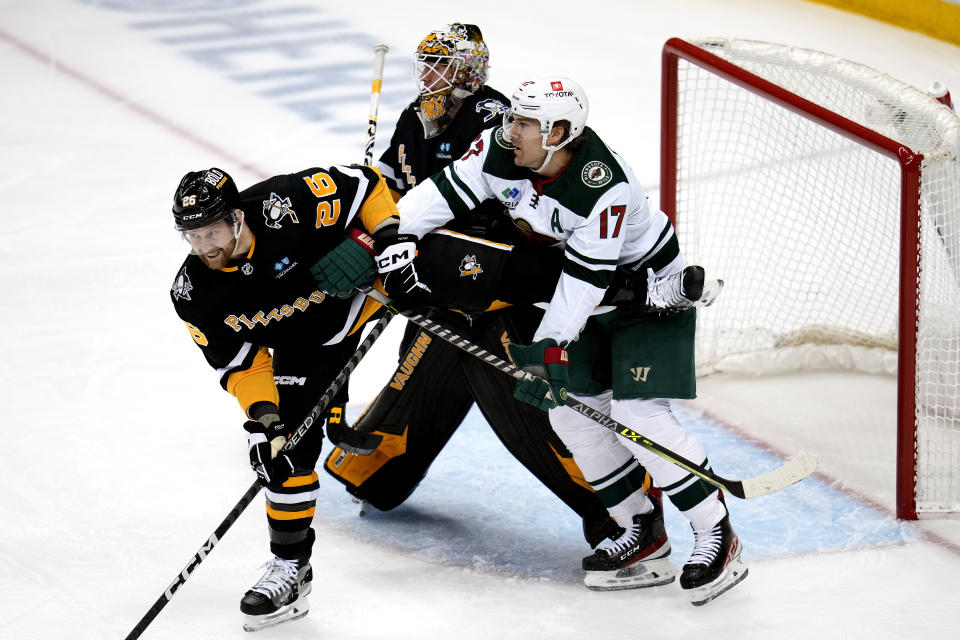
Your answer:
<point x="219" y="259"/>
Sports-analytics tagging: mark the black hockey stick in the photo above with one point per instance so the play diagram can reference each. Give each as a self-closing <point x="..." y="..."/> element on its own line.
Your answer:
<point x="789" y="473"/>
<point x="254" y="489"/>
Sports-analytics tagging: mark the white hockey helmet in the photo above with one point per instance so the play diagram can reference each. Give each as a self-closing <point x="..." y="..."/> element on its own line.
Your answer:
<point x="550" y="99"/>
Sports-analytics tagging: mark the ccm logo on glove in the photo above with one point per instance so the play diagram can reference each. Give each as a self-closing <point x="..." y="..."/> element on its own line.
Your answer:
<point x="397" y="254"/>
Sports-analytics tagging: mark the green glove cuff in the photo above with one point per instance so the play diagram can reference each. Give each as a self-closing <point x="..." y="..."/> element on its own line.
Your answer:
<point x="349" y="265"/>
<point x="548" y="362"/>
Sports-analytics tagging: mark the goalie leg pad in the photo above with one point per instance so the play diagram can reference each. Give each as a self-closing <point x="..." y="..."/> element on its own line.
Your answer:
<point x="526" y="431"/>
<point x="416" y="413"/>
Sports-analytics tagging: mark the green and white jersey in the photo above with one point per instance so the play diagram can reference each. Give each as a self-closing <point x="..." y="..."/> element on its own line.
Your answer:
<point x="595" y="206"/>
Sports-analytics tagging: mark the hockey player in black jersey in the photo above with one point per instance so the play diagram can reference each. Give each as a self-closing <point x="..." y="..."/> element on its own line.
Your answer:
<point x="251" y="294"/>
<point x="436" y="384"/>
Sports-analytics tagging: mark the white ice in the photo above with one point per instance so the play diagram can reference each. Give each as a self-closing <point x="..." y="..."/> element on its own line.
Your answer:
<point x="120" y="454"/>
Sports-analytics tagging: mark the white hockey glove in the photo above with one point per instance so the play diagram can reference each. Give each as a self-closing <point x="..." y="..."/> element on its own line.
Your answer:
<point x="395" y="261"/>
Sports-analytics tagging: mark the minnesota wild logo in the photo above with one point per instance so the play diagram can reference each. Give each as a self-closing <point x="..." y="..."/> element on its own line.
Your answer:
<point x="498" y="136"/>
<point x="596" y="174"/>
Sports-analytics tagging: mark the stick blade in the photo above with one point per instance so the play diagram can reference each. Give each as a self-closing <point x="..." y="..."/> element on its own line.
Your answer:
<point x="793" y="471"/>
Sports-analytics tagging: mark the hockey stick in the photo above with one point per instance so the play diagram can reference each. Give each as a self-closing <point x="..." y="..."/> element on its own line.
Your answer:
<point x="789" y="473"/>
<point x="254" y="489"/>
<point x="379" y="53"/>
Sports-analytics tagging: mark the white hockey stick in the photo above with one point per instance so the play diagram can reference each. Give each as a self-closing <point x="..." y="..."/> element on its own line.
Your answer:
<point x="791" y="472"/>
<point x="379" y="54"/>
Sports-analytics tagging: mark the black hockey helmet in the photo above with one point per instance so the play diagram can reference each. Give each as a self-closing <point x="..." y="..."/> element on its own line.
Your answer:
<point x="204" y="197"/>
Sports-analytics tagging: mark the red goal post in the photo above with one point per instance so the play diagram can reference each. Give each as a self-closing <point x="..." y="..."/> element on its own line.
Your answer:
<point x="827" y="194"/>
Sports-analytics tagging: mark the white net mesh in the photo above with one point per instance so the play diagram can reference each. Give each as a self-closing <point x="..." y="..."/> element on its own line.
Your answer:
<point x="803" y="223"/>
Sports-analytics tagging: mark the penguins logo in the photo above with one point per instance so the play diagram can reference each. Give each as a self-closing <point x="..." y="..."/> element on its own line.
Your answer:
<point x="182" y="286"/>
<point x="275" y="209"/>
<point x="470" y="267"/>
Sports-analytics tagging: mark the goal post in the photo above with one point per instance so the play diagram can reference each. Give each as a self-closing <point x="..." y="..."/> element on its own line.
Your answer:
<point x="827" y="195"/>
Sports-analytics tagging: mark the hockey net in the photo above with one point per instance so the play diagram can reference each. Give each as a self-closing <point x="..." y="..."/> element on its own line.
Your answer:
<point x="827" y="194"/>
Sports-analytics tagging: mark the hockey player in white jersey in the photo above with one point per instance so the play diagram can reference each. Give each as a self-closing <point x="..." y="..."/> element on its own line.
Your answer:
<point x="560" y="182"/>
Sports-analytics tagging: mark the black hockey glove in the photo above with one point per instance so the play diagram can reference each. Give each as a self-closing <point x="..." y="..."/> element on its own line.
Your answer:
<point x="348" y="266"/>
<point x="545" y="363"/>
<point x="402" y="281"/>
<point x="265" y="438"/>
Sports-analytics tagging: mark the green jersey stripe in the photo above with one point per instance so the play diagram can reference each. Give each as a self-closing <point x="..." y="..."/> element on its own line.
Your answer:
<point x="463" y="185"/>
<point x="667" y="254"/>
<point x="449" y="193"/>
<point x="588" y="260"/>
<point x="600" y="279"/>
<point x="600" y="482"/>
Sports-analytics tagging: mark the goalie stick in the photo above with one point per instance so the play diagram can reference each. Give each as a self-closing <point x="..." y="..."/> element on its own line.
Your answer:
<point x="791" y="472"/>
<point x="254" y="489"/>
<point x="379" y="55"/>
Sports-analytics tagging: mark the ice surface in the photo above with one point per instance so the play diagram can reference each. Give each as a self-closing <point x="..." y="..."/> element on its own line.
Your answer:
<point x="121" y="454"/>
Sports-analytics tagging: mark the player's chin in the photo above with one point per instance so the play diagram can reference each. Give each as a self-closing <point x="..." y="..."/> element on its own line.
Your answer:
<point x="215" y="261"/>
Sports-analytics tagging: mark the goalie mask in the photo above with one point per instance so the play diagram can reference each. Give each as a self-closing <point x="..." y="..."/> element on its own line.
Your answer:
<point x="549" y="100"/>
<point x="451" y="64"/>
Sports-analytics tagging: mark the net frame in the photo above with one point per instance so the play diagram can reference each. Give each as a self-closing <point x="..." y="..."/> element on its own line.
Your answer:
<point x="907" y="151"/>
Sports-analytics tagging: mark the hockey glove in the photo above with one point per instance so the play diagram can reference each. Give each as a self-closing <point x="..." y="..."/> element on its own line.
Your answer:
<point x="265" y="439"/>
<point x="349" y="265"/>
<point x="401" y="279"/>
<point x="545" y="363"/>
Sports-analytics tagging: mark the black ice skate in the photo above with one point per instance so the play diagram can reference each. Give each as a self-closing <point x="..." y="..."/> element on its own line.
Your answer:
<point x="714" y="566"/>
<point x="637" y="558"/>
<point x="280" y="595"/>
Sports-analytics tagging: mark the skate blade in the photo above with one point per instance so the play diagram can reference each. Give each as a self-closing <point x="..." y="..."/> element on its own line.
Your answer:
<point x="290" y="612"/>
<point x="733" y="575"/>
<point x="640" y="575"/>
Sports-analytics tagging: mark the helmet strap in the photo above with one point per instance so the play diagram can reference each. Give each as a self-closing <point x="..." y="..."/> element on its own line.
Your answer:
<point x="547" y="159"/>
<point x="550" y="148"/>
<point x="238" y="224"/>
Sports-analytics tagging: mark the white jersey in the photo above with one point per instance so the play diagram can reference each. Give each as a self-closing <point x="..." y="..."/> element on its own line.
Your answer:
<point x="595" y="206"/>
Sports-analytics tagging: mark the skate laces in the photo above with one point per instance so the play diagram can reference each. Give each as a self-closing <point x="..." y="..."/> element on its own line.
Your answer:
<point x="667" y="291"/>
<point x="626" y="540"/>
<point x="280" y="577"/>
<point x="706" y="545"/>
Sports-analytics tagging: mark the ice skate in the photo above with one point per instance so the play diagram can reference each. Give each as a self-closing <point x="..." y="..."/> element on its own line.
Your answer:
<point x="280" y="595"/>
<point x="714" y="566"/>
<point x="637" y="558"/>
<point x="682" y="290"/>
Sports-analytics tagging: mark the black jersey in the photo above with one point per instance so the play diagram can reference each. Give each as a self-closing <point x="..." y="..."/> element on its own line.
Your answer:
<point x="268" y="298"/>
<point x="410" y="159"/>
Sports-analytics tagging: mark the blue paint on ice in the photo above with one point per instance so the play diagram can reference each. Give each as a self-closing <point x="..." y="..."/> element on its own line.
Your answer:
<point x="479" y="508"/>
